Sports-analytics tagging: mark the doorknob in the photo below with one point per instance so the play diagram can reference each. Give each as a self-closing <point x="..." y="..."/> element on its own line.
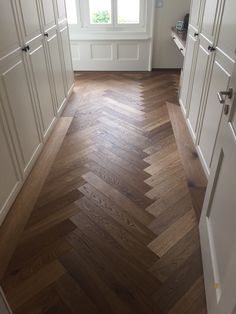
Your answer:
<point x="222" y="97"/>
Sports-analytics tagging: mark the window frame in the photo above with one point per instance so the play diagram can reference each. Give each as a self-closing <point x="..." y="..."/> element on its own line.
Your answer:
<point x="84" y="30"/>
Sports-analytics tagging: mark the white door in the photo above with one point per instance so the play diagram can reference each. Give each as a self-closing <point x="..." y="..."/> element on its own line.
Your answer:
<point x="218" y="219"/>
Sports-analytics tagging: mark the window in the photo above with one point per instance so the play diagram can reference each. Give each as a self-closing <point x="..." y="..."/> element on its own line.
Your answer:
<point x="110" y="19"/>
<point x="71" y="11"/>
<point x="100" y="11"/>
<point x="128" y="12"/>
<point x="105" y="13"/>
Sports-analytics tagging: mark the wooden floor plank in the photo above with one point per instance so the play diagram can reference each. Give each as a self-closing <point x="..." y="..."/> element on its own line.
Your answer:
<point x="105" y="222"/>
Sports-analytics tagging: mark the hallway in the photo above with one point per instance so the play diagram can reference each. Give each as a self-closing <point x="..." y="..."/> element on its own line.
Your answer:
<point x="113" y="229"/>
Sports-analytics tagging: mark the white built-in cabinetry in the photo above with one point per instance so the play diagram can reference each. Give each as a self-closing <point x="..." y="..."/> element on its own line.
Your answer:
<point x="36" y="79"/>
<point x="208" y="66"/>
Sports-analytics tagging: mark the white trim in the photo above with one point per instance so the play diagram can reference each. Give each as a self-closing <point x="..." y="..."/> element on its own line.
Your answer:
<point x="84" y="30"/>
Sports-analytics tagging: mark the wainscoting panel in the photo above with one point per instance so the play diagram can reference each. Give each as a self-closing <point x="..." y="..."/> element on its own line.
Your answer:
<point x="111" y="55"/>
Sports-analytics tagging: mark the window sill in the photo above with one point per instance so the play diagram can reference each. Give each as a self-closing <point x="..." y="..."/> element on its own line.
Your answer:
<point x="76" y="35"/>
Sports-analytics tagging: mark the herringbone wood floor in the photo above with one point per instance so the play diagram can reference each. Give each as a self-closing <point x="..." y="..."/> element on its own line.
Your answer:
<point x="113" y="229"/>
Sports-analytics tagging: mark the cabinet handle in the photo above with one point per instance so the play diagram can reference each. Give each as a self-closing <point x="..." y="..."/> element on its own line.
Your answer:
<point x="196" y="35"/>
<point x="211" y="48"/>
<point x="46" y="34"/>
<point x="221" y="96"/>
<point x="228" y="93"/>
<point x="25" y="48"/>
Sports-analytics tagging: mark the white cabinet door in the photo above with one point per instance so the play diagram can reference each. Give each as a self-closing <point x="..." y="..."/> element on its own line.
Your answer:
<point x="10" y="178"/>
<point x="36" y="56"/>
<point x="66" y="54"/>
<point x="220" y="79"/>
<point x="203" y="66"/>
<point x="197" y="96"/>
<point x="19" y="105"/>
<point x="195" y="13"/>
<point x="210" y="19"/>
<point x="217" y="224"/>
<point x="223" y="66"/>
<point x="57" y="70"/>
<point x="60" y="10"/>
<point x="29" y="14"/>
<point x="41" y="84"/>
<point x="189" y="68"/>
<point x="48" y="14"/>
<point x="9" y="39"/>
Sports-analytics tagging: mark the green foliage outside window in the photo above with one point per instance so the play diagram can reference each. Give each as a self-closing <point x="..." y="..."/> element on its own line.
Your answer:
<point x="101" y="17"/>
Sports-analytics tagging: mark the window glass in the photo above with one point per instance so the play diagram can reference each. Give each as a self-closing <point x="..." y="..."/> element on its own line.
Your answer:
<point x="100" y="11"/>
<point x="128" y="11"/>
<point x="71" y="11"/>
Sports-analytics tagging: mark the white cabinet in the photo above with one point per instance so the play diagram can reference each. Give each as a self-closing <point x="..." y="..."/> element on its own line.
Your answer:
<point x="10" y="177"/>
<point x="9" y="39"/>
<point x="37" y="62"/>
<point x="210" y="19"/>
<point x="205" y="55"/>
<point x="57" y="70"/>
<point x="48" y="14"/>
<point x="220" y="76"/>
<point x="189" y="68"/>
<point x="65" y="42"/>
<point x="28" y="12"/>
<point x="19" y="105"/>
<point x="191" y="54"/>
<point x="199" y="83"/>
<point x="208" y="68"/>
<point x="195" y="14"/>
<point x="42" y="86"/>
<point x="36" y="79"/>
<point x="60" y="10"/>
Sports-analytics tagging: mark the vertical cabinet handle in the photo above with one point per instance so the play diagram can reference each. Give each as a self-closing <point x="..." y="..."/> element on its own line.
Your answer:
<point x="222" y="98"/>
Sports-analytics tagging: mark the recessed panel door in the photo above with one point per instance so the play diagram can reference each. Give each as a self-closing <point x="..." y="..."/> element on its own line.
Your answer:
<point x="19" y="105"/>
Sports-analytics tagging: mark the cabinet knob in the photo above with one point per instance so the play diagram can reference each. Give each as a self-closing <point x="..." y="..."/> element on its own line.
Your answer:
<point x="211" y="48"/>
<point x="46" y="34"/>
<point x="196" y="34"/>
<point x="25" y="48"/>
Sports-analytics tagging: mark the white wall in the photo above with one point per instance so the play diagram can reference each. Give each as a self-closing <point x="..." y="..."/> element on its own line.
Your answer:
<point x="165" y="53"/>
